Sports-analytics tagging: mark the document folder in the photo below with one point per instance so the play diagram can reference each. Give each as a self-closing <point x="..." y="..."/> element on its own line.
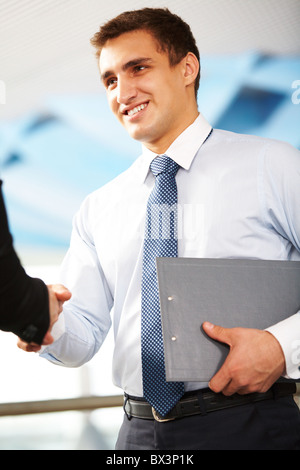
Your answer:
<point x="226" y="292"/>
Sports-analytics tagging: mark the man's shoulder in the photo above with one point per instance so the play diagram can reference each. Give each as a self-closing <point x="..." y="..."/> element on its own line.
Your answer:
<point x="272" y="145"/>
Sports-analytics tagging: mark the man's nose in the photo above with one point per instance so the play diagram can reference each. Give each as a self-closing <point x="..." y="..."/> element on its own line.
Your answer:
<point x="126" y="91"/>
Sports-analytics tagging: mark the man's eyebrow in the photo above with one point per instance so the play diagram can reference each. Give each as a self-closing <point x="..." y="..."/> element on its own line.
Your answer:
<point x="134" y="62"/>
<point x="128" y="65"/>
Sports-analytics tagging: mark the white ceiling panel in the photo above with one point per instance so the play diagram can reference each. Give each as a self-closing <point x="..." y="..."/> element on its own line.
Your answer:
<point x="45" y="49"/>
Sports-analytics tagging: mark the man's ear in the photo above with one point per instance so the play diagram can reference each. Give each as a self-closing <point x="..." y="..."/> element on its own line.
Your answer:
<point x="191" y="68"/>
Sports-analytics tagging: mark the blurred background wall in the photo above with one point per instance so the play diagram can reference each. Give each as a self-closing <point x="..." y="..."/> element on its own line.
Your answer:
<point x="59" y="142"/>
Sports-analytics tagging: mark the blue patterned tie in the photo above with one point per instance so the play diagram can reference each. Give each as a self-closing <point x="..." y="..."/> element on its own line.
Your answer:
<point x="160" y="241"/>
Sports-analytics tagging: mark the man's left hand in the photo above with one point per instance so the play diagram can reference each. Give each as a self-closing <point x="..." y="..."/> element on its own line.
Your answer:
<point x="255" y="360"/>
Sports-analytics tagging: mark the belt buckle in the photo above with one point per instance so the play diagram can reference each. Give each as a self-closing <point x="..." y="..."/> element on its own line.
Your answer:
<point x="160" y="419"/>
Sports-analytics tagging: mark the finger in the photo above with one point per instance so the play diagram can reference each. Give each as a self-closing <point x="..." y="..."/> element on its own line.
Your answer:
<point x="48" y="339"/>
<point x="217" y="332"/>
<point x="28" y="347"/>
<point x="220" y="381"/>
<point x="62" y="293"/>
<point x="230" y="389"/>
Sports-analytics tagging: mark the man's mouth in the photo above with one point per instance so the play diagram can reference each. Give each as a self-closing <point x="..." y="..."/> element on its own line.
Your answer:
<point x="136" y="109"/>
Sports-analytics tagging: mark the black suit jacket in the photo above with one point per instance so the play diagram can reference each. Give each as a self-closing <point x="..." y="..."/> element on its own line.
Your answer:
<point x="24" y="302"/>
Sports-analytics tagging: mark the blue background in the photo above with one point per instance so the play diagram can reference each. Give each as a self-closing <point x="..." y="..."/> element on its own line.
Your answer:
<point x="49" y="162"/>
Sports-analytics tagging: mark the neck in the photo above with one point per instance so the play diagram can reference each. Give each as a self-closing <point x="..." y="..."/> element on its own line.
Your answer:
<point x="161" y="146"/>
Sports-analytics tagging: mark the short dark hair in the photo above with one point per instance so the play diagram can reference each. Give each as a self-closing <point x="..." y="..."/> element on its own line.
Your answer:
<point x="173" y="35"/>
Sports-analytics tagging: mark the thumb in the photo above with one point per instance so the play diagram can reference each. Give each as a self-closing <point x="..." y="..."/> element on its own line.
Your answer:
<point x="217" y="332"/>
<point x="62" y="293"/>
<point x="48" y="339"/>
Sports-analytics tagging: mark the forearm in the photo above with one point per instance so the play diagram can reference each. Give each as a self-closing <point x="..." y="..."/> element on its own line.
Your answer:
<point x="76" y="340"/>
<point x="85" y="320"/>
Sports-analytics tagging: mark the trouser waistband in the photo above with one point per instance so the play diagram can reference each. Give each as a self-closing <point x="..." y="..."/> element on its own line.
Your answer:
<point x="202" y="402"/>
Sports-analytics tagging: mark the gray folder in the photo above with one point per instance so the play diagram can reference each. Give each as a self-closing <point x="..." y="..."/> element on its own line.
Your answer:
<point x="226" y="292"/>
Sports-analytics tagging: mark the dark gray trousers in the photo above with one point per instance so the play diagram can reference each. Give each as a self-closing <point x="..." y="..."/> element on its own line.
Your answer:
<point x="267" y="425"/>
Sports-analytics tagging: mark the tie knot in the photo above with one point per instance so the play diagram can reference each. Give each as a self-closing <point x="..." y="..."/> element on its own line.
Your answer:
<point x="164" y="164"/>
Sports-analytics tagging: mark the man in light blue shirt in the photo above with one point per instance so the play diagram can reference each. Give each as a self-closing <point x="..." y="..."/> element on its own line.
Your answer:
<point x="239" y="198"/>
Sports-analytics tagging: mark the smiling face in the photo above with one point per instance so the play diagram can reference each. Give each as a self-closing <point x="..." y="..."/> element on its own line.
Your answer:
<point x="154" y="101"/>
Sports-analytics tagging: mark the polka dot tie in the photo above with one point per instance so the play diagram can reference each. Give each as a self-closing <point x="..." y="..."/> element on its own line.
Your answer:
<point x="160" y="241"/>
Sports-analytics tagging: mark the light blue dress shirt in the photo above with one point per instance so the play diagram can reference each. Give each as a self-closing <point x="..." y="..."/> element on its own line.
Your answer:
<point x="238" y="197"/>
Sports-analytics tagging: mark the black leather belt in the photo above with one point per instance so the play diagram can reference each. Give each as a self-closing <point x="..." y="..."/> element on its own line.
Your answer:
<point x="202" y="402"/>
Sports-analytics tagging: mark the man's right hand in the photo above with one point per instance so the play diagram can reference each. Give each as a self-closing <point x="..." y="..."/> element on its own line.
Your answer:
<point x="58" y="294"/>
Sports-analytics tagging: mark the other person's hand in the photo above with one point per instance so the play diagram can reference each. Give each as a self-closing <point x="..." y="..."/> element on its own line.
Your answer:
<point x="58" y="294"/>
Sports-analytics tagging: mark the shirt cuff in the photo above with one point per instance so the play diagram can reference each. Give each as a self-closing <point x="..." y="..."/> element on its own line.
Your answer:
<point x="57" y="331"/>
<point x="287" y="333"/>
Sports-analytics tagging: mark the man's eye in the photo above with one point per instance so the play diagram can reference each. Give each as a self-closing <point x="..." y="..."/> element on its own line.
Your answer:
<point x="110" y="82"/>
<point x="139" y="68"/>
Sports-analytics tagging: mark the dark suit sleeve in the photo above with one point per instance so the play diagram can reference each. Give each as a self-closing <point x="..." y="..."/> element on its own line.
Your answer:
<point x="24" y="302"/>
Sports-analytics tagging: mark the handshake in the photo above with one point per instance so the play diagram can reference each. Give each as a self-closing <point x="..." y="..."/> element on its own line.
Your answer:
<point x="58" y="294"/>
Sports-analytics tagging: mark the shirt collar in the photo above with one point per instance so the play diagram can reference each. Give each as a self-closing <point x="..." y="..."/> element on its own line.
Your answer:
<point x="183" y="149"/>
